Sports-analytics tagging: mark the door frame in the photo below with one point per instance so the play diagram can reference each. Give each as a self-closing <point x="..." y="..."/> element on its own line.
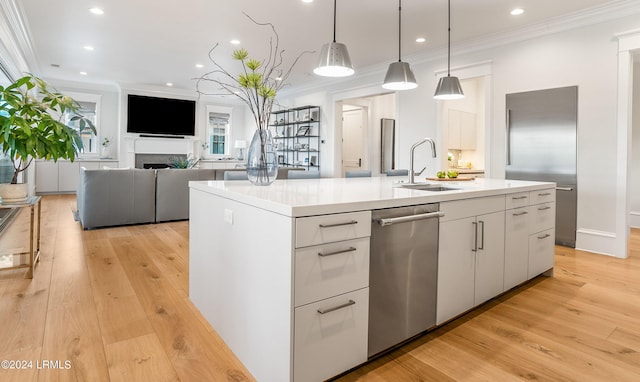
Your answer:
<point x="341" y="98"/>
<point x="628" y="45"/>
<point x="350" y="106"/>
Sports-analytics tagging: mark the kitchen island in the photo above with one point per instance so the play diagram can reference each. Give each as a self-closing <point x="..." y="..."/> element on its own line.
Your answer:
<point x="282" y="272"/>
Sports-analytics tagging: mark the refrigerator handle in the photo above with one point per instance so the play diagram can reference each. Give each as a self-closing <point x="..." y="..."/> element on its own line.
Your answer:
<point x="508" y="137"/>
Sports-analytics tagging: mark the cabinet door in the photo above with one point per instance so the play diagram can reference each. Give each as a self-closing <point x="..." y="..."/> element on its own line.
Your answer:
<point x="467" y="131"/>
<point x="489" y="280"/>
<point x="330" y="336"/>
<point x="46" y="176"/>
<point x="89" y="165"/>
<point x="516" y="246"/>
<point x="456" y="268"/>
<point x="68" y="176"/>
<point x="454" y="129"/>
<point x="541" y="252"/>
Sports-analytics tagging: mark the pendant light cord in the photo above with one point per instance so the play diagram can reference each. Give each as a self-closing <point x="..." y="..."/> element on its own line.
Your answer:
<point x="335" y="5"/>
<point x="449" y="41"/>
<point x="399" y="30"/>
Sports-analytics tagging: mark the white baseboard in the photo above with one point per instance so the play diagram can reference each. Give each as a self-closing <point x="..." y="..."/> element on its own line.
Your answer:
<point x="600" y="242"/>
<point x="634" y="219"/>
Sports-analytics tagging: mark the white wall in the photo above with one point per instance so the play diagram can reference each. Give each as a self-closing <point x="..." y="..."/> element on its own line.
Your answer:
<point x="634" y="179"/>
<point x="586" y="57"/>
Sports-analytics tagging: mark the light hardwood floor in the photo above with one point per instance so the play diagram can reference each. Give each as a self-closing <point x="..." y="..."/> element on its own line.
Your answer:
<point x="113" y="302"/>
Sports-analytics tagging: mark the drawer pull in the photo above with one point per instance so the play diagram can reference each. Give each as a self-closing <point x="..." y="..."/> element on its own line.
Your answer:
<point x="546" y="235"/>
<point x="520" y="213"/>
<point x="544" y="208"/>
<point x="519" y="197"/>
<point x="350" y="249"/>
<point x="338" y="224"/>
<point x="323" y="311"/>
<point x="545" y="194"/>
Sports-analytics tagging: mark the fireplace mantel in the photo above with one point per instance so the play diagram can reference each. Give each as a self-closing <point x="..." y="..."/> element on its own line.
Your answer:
<point x="152" y="145"/>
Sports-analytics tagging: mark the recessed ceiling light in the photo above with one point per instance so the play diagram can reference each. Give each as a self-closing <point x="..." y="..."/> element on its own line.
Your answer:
<point x="279" y="78"/>
<point x="517" y="11"/>
<point x="96" y="11"/>
<point x="199" y="66"/>
<point x="421" y="39"/>
<point x="235" y="42"/>
<point x="83" y="73"/>
<point x="88" y="47"/>
<point x="169" y="83"/>
<point x="307" y="1"/>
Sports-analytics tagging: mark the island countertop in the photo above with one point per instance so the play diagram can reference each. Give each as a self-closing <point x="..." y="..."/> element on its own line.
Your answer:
<point x="309" y="197"/>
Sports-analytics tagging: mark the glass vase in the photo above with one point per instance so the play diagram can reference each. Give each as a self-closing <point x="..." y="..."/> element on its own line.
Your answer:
<point x="262" y="164"/>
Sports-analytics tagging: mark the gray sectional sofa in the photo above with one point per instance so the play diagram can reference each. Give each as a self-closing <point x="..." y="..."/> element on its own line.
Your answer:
<point x="116" y="197"/>
<point x="107" y="198"/>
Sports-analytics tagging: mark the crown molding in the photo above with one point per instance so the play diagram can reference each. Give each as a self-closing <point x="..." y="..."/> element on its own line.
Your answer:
<point x="19" y="37"/>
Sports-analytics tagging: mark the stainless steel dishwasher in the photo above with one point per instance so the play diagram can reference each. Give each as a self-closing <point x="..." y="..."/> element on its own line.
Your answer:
<point x="403" y="274"/>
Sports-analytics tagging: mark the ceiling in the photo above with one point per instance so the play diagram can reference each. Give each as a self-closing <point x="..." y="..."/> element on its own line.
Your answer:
<point x="152" y="42"/>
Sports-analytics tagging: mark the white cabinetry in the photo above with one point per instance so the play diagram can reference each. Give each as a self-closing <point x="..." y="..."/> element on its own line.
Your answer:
<point x="471" y="254"/>
<point x="462" y="130"/>
<point x="529" y="235"/>
<point x="60" y="176"/>
<point x="46" y="176"/>
<point x="331" y="294"/>
<point x="68" y="175"/>
<point x="63" y="175"/>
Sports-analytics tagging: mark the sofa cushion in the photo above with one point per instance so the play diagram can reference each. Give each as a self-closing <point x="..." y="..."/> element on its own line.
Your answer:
<point x="172" y="191"/>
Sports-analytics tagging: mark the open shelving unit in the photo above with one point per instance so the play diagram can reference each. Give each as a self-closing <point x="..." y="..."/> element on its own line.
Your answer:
<point x="296" y="134"/>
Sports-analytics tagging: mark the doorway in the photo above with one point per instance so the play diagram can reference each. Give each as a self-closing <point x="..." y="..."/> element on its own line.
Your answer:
<point x="360" y="131"/>
<point x="354" y="150"/>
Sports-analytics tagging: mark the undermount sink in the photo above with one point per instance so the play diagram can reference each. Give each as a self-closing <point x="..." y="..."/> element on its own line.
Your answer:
<point x="428" y="187"/>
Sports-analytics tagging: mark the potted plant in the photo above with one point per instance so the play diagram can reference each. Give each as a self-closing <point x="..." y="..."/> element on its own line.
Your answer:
<point x="35" y="123"/>
<point x="257" y="85"/>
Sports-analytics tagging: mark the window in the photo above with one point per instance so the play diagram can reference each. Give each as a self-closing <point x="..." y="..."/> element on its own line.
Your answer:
<point x="89" y="107"/>
<point x="218" y="131"/>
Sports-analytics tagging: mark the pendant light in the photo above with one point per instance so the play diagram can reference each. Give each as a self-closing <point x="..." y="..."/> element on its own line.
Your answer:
<point x="399" y="75"/>
<point x="334" y="58"/>
<point x="449" y="87"/>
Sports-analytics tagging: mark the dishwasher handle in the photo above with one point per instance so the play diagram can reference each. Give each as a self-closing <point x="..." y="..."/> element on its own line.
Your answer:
<point x="409" y="218"/>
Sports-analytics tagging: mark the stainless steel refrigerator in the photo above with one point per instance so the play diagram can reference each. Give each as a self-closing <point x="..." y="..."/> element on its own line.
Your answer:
<point x="542" y="146"/>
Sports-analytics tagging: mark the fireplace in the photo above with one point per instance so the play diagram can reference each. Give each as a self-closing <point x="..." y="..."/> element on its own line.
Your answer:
<point x="156" y="160"/>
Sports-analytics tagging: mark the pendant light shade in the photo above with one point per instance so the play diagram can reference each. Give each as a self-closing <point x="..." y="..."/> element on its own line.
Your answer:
<point x="334" y="61"/>
<point x="334" y="58"/>
<point x="449" y="87"/>
<point x="399" y="75"/>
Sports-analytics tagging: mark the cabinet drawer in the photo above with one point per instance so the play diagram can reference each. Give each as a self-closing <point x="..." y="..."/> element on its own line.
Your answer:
<point x="471" y="207"/>
<point x="322" y="229"/>
<point x="543" y="217"/>
<point x="520" y="199"/>
<point x="329" y="343"/>
<point x="541" y="252"/>
<point x="331" y="269"/>
<point x="542" y="196"/>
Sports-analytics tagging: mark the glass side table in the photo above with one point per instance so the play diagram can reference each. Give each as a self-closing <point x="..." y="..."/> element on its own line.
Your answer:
<point x="31" y="258"/>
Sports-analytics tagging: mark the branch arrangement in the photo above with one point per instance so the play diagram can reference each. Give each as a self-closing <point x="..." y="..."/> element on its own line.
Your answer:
<point x="259" y="81"/>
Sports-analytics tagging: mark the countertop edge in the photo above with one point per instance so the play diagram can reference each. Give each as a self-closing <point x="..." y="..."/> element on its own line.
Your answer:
<point x="261" y="196"/>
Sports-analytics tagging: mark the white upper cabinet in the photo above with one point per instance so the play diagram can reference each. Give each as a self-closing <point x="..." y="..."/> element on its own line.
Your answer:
<point x="462" y="130"/>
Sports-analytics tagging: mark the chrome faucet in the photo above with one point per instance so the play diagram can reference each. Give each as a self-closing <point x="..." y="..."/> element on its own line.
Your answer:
<point x="412" y="174"/>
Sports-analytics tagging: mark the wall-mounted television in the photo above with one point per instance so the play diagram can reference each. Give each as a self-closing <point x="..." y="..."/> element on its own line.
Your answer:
<point x="160" y="116"/>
